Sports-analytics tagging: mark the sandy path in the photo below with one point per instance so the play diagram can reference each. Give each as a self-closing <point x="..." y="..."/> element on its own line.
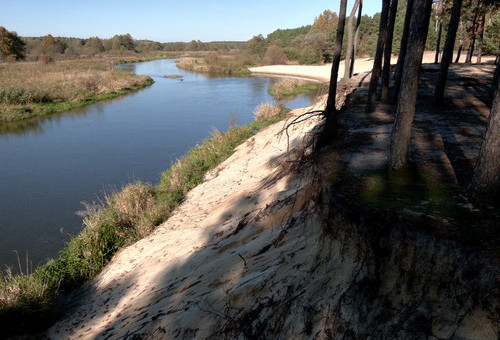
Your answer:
<point x="322" y="72"/>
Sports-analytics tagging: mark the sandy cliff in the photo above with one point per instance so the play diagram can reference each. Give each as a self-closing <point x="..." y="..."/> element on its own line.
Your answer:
<point x="265" y="249"/>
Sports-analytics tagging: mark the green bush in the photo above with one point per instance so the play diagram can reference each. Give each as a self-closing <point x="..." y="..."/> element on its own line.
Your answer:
<point x="308" y="56"/>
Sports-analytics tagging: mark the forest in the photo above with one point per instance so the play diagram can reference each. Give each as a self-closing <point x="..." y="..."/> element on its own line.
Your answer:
<point x="308" y="44"/>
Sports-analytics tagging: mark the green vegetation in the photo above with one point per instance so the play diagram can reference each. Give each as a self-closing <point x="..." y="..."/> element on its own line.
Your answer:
<point x="289" y="87"/>
<point x="215" y="63"/>
<point x="28" y="302"/>
<point x="33" y="89"/>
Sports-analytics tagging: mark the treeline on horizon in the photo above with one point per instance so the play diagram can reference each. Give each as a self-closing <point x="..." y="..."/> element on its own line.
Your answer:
<point x="309" y="44"/>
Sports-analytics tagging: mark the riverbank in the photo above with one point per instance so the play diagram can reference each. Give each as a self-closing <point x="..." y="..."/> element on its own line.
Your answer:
<point x="280" y="241"/>
<point x="29" y="301"/>
<point x="31" y="89"/>
<point x="322" y="72"/>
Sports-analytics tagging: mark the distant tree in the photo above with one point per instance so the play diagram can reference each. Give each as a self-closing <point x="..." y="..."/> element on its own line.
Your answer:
<point x="274" y="55"/>
<point x="388" y="50"/>
<point x="439" y="10"/>
<point x="95" y="45"/>
<point x="11" y="46"/>
<point x="448" y="51"/>
<point x="492" y="36"/>
<point x="325" y="22"/>
<point x="402" y="50"/>
<point x="377" y="62"/>
<point x="473" y="31"/>
<point x="401" y="132"/>
<point x="350" y="41"/>
<point x="356" y="38"/>
<point x="287" y="35"/>
<point x="461" y="43"/>
<point x="257" y="46"/>
<point x="485" y="184"/>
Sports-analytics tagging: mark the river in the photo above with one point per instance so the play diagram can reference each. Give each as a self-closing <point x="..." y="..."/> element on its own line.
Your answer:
<point x="50" y="165"/>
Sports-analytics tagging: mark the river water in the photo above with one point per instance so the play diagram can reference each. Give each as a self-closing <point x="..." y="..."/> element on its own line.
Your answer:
<point x="49" y="166"/>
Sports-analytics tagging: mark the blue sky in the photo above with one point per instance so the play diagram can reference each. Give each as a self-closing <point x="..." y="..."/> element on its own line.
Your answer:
<point x="164" y="20"/>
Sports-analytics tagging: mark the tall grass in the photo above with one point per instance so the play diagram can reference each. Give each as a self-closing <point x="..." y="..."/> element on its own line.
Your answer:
<point x="30" y="89"/>
<point x="288" y="87"/>
<point x="215" y="63"/>
<point x="120" y="220"/>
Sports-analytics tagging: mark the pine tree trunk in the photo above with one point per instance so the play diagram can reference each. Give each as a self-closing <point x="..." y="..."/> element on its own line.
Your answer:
<point x="459" y="52"/>
<point x="377" y="63"/>
<point x="440" y="31"/>
<point x="402" y="50"/>
<point x="480" y="43"/>
<point x="470" y="52"/>
<point x="448" y="51"/>
<point x="461" y="41"/>
<point x="356" y="38"/>
<point x="485" y="184"/>
<point x="350" y="37"/>
<point x="388" y="50"/>
<point x="401" y="132"/>
<point x="332" y="92"/>
<point x="330" y="128"/>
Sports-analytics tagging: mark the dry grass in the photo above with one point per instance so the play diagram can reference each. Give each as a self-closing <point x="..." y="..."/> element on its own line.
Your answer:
<point x="26" y="85"/>
<point x="289" y="87"/>
<point x="268" y="111"/>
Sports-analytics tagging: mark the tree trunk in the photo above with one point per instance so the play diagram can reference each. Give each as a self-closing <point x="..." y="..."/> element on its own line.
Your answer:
<point x="350" y="37"/>
<point x="402" y="50"/>
<point x="356" y="38"/>
<point x="377" y="63"/>
<point x="440" y="31"/>
<point x="332" y="92"/>
<point x="470" y="52"/>
<point x="485" y="184"/>
<point x="480" y="43"/>
<point x="496" y="80"/>
<point x="388" y="50"/>
<point x="401" y="132"/>
<point x="461" y="41"/>
<point x="448" y="51"/>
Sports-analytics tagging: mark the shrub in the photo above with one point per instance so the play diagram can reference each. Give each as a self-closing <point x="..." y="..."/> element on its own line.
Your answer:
<point x="309" y="56"/>
<point x="274" y="55"/>
<point x="268" y="111"/>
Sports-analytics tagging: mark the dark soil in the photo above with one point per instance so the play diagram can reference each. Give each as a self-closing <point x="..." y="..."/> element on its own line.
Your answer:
<point x="444" y="149"/>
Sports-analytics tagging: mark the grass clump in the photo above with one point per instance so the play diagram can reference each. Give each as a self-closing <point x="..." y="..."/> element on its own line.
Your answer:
<point x="290" y="87"/>
<point x="36" y="89"/>
<point x="215" y="63"/>
<point x="28" y="301"/>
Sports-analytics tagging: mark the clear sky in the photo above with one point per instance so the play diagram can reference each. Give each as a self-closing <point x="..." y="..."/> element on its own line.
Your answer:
<point x="164" y="20"/>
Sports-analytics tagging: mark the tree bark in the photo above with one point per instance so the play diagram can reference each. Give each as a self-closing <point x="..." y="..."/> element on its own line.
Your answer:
<point x="350" y="38"/>
<point x="377" y="63"/>
<point x="440" y="31"/>
<point x="356" y="38"/>
<point x="402" y="50"/>
<point x="481" y="34"/>
<point x="470" y="52"/>
<point x="332" y="92"/>
<point x="401" y="132"/>
<point x="388" y="50"/>
<point x="485" y="184"/>
<point x="448" y="51"/>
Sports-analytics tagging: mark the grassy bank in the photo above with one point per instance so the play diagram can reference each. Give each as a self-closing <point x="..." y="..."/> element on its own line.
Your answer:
<point x="35" y="89"/>
<point x="214" y="63"/>
<point x="290" y="87"/>
<point x="29" y="302"/>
